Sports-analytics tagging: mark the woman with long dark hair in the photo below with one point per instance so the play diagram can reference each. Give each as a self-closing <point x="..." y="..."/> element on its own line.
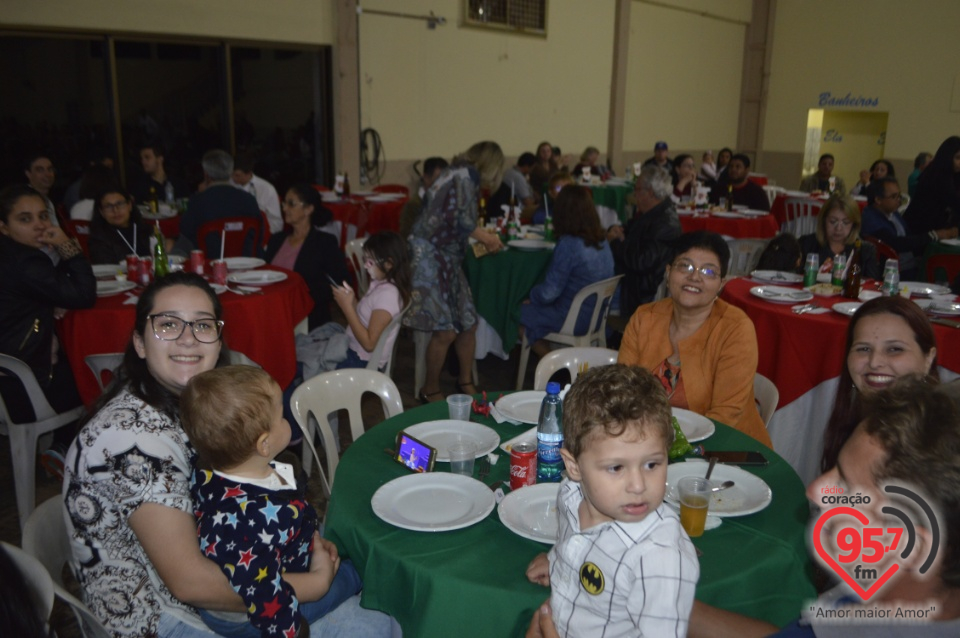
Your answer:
<point x="580" y="258"/>
<point x="888" y="337"/>
<point x="936" y="202"/>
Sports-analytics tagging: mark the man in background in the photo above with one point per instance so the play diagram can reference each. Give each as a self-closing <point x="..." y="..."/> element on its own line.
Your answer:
<point x="218" y="199"/>
<point x="820" y="181"/>
<point x="262" y="190"/>
<point x="734" y="183"/>
<point x="660" y="158"/>
<point x="154" y="181"/>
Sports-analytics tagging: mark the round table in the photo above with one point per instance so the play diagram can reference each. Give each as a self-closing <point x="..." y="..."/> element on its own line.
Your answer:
<point x="471" y="582"/>
<point x="358" y="215"/>
<point x="258" y="325"/>
<point x="612" y="196"/>
<point x="500" y="283"/>
<point x="762" y="227"/>
<point x="803" y="356"/>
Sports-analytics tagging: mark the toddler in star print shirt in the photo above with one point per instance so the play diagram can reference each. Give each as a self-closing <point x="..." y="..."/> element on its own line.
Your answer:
<point x="252" y="517"/>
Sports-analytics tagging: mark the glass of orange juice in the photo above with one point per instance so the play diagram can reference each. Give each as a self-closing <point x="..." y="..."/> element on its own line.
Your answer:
<point x="694" y="502"/>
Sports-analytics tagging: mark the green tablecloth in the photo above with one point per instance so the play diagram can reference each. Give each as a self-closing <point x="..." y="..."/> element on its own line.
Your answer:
<point x="501" y="282"/>
<point x="612" y="196"/>
<point x="471" y="582"/>
<point x="936" y="248"/>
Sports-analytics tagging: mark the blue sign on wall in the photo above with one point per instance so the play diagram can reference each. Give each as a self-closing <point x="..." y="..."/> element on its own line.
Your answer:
<point x="829" y="99"/>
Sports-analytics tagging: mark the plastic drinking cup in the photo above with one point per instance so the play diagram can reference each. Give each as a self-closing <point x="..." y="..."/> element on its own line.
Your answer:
<point x="459" y="405"/>
<point x="694" y="503"/>
<point x="463" y="454"/>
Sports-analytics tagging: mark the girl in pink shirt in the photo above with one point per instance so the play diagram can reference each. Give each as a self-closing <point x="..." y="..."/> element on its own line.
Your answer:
<point x="385" y="260"/>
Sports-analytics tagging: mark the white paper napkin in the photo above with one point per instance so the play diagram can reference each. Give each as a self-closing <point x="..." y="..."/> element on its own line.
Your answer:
<point x="499" y="417"/>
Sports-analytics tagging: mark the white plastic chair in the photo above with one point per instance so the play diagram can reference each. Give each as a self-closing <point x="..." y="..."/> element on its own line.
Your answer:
<point x="45" y="539"/>
<point x="329" y="392"/>
<point x="377" y="353"/>
<point x="354" y="251"/>
<point x="100" y="363"/>
<point x="573" y="359"/>
<point x="767" y="396"/>
<point x="237" y="358"/>
<point x="801" y="216"/>
<point x="773" y="191"/>
<point x="744" y="256"/>
<point x="596" y="335"/>
<point x="23" y="436"/>
<point x="37" y="581"/>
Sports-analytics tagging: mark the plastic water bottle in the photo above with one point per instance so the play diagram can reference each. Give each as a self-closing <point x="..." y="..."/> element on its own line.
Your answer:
<point x="550" y="436"/>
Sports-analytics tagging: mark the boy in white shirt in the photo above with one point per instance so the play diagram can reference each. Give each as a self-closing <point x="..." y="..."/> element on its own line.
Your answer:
<point x="623" y="566"/>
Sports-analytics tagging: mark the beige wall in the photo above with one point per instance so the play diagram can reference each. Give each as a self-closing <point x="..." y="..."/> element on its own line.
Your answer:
<point x="685" y="90"/>
<point x="912" y="77"/>
<point x="436" y="92"/>
<point x="292" y="21"/>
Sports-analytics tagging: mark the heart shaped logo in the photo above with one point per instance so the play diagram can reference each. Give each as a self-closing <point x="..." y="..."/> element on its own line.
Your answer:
<point x="865" y="594"/>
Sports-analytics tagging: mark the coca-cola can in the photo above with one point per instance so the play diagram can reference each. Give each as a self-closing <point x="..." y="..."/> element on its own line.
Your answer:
<point x="219" y="274"/>
<point x="523" y="465"/>
<point x="197" y="261"/>
<point x="146" y="271"/>
<point x="133" y="269"/>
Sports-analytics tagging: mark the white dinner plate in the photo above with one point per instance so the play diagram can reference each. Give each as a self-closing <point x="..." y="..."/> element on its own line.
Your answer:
<point x="103" y="271"/>
<point x="776" y="277"/>
<point x="779" y="294"/>
<point x="442" y="434"/>
<point x="694" y="426"/>
<point x="256" y="277"/>
<point x="923" y="289"/>
<point x="754" y="213"/>
<point x="950" y="242"/>
<point x="797" y="194"/>
<point x="243" y="263"/>
<point x="384" y="197"/>
<point x="433" y="502"/>
<point x="531" y="244"/>
<point x="522" y="406"/>
<point x="724" y="214"/>
<point x="940" y="307"/>
<point x="218" y="288"/>
<point x="531" y="512"/>
<point x="748" y="495"/>
<point x="847" y="307"/>
<point x="686" y="212"/>
<point x="740" y="207"/>
<point x="109" y="288"/>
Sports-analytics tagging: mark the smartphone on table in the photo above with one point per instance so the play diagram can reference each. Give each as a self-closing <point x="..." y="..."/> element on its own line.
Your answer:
<point x="414" y="454"/>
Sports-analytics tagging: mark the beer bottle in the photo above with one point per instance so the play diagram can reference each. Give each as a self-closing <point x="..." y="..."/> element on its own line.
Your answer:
<point x="152" y="200"/>
<point x="729" y="197"/>
<point x="161" y="266"/>
<point x="851" y="283"/>
<point x="346" y="184"/>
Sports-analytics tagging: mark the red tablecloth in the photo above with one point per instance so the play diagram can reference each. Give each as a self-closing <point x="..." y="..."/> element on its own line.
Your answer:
<point x="762" y="227"/>
<point x="798" y="352"/>
<point x="259" y="326"/>
<point x="779" y="207"/>
<point x="359" y="216"/>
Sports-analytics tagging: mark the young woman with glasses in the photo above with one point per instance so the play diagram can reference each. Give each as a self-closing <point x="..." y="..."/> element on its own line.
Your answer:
<point x="838" y="227"/>
<point x="127" y="484"/>
<point x="116" y="227"/>
<point x="703" y="350"/>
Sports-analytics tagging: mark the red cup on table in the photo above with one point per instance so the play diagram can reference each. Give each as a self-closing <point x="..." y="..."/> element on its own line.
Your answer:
<point x="219" y="274"/>
<point x="133" y="269"/>
<point x="197" y="261"/>
<point x="146" y="271"/>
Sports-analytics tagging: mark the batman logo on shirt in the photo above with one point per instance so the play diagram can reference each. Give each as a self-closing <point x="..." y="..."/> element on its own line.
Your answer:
<point x="591" y="578"/>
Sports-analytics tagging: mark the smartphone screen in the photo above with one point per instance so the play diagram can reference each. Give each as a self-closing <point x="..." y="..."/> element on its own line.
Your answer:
<point x="333" y="282"/>
<point x="737" y="458"/>
<point x="415" y="455"/>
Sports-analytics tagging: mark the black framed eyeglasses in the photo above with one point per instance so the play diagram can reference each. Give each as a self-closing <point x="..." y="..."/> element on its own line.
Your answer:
<point x="687" y="268"/>
<point x="170" y="328"/>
